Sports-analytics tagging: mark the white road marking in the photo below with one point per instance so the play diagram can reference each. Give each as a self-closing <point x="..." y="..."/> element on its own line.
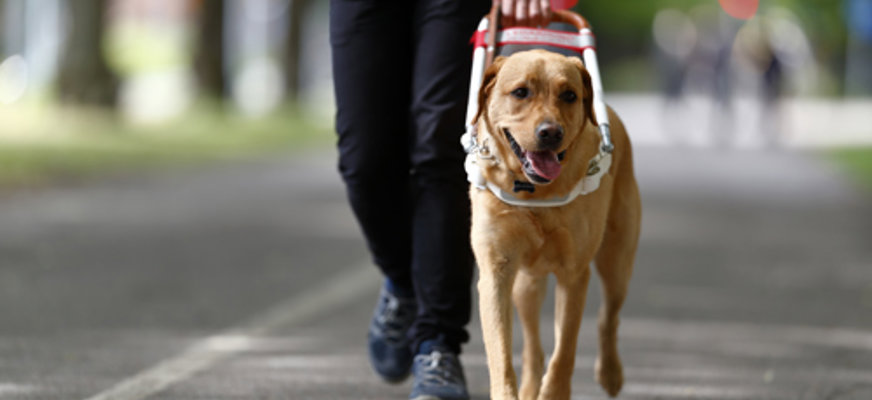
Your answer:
<point x="15" y="388"/>
<point x="678" y="391"/>
<point x="364" y="280"/>
<point x="826" y="337"/>
<point x="208" y="352"/>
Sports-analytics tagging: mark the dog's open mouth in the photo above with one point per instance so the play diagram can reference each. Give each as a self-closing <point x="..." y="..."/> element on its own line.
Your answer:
<point x="540" y="166"/>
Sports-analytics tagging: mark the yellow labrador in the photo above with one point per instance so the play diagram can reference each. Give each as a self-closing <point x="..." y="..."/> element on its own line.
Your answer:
<point x="535" y="116"/>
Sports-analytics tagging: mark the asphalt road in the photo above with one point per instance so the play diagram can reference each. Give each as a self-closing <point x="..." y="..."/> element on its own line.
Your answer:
<point x="250" y="281"/>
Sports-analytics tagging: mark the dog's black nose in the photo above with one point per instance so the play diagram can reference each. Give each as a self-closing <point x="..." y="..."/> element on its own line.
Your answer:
<point x="549" y="135"/>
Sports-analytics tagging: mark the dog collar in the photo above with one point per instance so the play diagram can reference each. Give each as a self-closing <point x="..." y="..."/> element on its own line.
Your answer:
<point x="597" y="167"/>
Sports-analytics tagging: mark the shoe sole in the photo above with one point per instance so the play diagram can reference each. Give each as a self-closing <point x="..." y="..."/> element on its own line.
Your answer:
<point x="395" y="381"/>
<point x="392" y="380"/>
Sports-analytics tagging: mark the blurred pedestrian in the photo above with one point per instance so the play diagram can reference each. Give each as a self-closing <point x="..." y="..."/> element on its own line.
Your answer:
<point x="401" y="75"/>
<point x="771" y="91"/>
<point x="675" y="38"/>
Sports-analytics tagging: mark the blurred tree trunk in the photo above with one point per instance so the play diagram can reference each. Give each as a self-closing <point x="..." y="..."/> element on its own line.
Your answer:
<point x="292" y="48"/>
<point x="2" y="29"/>
<point x="84" y="75"/>
<point x="209" y="56"/>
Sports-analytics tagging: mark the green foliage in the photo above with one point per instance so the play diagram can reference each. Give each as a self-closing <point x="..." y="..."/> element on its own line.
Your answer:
<point x="132" y="49"/>
<point x="858" y="161"/>
<point x="623" y="30"/>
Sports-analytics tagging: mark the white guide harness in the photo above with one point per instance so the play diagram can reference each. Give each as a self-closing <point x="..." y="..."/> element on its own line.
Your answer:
<point x="478" y="153"/>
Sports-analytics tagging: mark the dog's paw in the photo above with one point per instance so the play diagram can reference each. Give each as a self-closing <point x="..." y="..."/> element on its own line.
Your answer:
<point x="528" y="392"/>
<point x="554" y="395"/>
<point x="610" y="375"/>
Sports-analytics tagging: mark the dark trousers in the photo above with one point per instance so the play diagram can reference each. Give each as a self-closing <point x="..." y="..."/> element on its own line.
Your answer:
<point x="401" y="76"/>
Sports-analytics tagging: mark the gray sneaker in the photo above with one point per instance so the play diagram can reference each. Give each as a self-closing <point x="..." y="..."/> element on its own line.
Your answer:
<point x="438" y="374"/>
<point x="389" y="347"/>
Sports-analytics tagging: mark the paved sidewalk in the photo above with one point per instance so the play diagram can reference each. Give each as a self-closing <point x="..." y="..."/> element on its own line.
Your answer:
<point x="753" y="281"/>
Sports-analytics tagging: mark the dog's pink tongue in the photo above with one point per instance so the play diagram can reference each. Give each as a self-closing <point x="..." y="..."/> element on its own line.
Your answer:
<point x="545" y="163"/>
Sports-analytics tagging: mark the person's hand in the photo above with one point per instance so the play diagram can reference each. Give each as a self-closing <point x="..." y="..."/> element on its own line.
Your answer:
<point x="524" y="12"/>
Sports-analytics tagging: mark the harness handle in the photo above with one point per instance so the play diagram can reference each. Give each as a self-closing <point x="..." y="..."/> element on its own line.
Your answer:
<point x="493" y="17"/>
<point x="493" y="22"/>
<point x="564" y="16"/>
<point x="570" y="18"/>
<point x="588" y="56"/>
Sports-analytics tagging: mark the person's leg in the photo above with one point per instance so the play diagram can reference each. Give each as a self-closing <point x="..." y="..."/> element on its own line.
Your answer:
<point x="372" y="79"/>
<point x="371" y="73"/>
<point x="442" y="264"/>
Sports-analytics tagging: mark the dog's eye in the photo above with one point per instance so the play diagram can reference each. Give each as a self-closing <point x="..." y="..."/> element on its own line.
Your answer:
<point x="521" y="93"/>
<point x="568" y="96"/>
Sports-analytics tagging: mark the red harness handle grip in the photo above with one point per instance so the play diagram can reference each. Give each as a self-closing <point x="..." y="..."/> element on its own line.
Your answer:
<point x="564" y="16"/>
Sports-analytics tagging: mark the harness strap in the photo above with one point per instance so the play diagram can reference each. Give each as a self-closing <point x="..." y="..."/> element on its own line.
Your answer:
<point x="577" y="42"/>
<point x="582" y="42"/>
<point x="475" y="153"/>
<point x="492" y="38"/>
<point x="587" y="185"/>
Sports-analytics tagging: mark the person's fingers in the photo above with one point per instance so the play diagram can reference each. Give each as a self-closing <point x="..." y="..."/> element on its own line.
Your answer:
<point x="507" y="10"/>
<point x="521" y="9"/>
<point x="535" y="14"/>
<point x="545" y="9"/>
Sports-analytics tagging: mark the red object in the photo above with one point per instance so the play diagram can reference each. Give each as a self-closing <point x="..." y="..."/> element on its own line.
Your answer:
<point x="741" y="9"/>
<point x="563" y="4"/>
<point x="478" y="39"/>
<point x="534" y="37"/>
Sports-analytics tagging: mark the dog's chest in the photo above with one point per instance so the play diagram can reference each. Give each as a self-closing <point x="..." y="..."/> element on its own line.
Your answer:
<point x="559" y="242"/>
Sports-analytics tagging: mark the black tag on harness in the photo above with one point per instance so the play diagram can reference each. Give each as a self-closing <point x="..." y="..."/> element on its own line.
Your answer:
<point x="524" y="186"/>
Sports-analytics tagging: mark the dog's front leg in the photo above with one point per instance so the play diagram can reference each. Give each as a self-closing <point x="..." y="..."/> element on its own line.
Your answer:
<point x="528" y="295"/>
<point x="569" y="306"/>
<point x="496" y="277"/>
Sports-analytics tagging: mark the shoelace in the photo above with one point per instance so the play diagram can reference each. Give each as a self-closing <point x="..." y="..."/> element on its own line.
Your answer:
<point x="392" y="318"/>
<point x="437" y="369"/>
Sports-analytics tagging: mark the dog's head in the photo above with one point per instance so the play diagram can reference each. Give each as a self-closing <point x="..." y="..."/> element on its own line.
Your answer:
<point x="536" y="104"/>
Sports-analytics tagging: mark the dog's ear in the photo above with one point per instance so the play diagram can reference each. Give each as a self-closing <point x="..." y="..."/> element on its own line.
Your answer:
<point x="487" y="85"/>
<point x="587" y="98"/>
